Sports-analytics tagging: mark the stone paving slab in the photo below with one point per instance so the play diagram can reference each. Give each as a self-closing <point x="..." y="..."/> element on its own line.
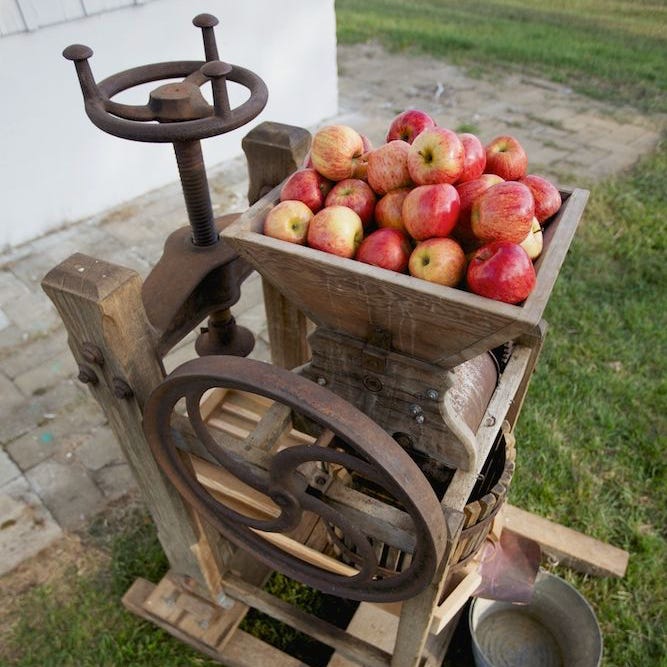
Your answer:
<point x="59" y="461"/>
<point x="26" y="526"/>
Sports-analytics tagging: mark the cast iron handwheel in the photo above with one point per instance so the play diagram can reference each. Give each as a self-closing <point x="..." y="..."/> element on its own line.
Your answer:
<point x="376" y="456"/>
<point x="134" y="121"/>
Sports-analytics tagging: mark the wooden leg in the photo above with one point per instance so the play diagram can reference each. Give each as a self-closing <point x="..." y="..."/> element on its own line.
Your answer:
<point x="288" y="329"/>
<point x="417" y="613"/>
<point x="115" y="347"/>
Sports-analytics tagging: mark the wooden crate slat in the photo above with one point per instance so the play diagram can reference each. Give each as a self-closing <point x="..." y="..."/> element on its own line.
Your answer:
<point x="230" y="487"/>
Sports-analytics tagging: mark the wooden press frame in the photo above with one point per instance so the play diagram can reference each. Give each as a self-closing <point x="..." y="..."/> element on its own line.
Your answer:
<point x="203" y="598"/>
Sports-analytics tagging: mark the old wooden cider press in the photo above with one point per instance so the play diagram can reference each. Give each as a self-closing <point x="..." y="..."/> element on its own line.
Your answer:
<point x="369" y="461"/>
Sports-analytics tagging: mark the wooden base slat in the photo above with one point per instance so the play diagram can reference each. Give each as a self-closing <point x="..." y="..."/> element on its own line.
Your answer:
<point x="231" y="647"/>
<point x="569" y="547"/>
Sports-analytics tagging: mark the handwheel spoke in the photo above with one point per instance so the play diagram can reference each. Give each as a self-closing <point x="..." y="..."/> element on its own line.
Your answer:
<point x="348" y="441"/>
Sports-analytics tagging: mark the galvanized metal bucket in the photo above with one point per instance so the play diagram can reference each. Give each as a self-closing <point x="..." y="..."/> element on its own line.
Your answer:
<point x="558" y="628"/>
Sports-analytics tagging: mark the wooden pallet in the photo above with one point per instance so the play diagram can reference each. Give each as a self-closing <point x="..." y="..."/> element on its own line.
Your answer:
<point x="202" y="625"/>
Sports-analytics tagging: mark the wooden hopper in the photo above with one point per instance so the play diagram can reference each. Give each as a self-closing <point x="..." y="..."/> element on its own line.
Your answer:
<point x="442" y="325"/>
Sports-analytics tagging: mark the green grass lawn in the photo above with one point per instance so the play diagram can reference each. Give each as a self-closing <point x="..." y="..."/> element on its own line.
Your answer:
<point x="611" y="49"/>
<point x="591" y="438"/>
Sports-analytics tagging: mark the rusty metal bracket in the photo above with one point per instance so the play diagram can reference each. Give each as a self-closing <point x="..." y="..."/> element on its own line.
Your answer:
<point x="190" y="282"/>
<point x="198" y="273"/>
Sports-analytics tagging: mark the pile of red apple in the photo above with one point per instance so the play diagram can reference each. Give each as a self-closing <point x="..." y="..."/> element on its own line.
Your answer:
<point x="431" y="202"/>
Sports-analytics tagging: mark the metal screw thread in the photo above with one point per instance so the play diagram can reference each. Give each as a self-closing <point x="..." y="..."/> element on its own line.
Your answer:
<point x="195" y="190"/>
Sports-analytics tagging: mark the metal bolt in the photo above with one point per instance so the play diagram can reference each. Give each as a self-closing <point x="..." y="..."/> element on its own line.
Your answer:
<point x="87" y="375"/>
<point x="121" y="389"/>
<point x="321" y="381"/>
<point x="432" y="394"/>
<point x="490" y="421"/>
<point x="415" y="409"/>
<point x="420" y="419"/>
<point x="92" y="354"/>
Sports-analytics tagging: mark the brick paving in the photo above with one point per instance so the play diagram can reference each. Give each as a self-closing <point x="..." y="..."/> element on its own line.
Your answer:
<point x="59" y="461"/>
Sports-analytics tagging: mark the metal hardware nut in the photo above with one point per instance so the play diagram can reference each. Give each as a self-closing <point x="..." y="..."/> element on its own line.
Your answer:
<point x="87" y="375"/>
<point x="92" y="354"/>
<point x="121" y="389"/>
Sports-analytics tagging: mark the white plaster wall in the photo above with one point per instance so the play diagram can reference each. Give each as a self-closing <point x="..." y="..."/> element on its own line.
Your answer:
<point x="56" y="167"/>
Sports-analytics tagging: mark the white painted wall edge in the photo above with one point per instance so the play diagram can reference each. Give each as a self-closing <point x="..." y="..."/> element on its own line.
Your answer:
<point x="56" y="167"/>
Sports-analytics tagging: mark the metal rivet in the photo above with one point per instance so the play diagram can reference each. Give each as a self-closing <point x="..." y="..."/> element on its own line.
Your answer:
<point x="420" y="419"/>
<point x="432" y="394"/>
<point x="87" y="375"/>
<point x="121" y="389"/>
<point x="92" y="354"/>
<point x="415" y="409"/>
<point x="321" y="381"/>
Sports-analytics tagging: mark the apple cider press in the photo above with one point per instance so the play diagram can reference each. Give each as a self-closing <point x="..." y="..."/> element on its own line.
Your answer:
<point x="370" y="460"/>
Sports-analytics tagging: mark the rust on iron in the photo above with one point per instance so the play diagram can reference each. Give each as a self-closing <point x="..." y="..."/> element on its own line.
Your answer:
<point x="178" y="113"/>
<point x="361" y="445"/>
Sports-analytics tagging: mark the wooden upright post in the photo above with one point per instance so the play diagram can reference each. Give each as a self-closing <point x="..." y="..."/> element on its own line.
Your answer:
<point x="273" y="152"/>
<point x="112" y="341"/>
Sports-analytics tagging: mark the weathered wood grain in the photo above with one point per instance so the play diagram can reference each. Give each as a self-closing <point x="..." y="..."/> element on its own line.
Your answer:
<point x="428" y="321"/>
<point x="100" y="304"/>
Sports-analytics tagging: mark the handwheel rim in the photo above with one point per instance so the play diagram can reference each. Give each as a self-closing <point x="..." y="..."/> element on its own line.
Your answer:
<point x="398" y="472"/>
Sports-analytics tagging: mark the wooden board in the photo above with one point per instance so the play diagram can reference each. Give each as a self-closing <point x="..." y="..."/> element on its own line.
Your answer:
<point x="567" y="546"/>
<point x="235" y="649"/>
<point x="428" y="321"/>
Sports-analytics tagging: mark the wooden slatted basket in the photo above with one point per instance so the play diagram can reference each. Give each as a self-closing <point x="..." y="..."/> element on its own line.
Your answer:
<point x="438" y="324"/>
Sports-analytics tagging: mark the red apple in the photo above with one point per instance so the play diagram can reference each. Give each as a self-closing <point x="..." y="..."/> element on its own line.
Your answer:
<point x="438" y="260"/>
<point x="308" y="186"/>
<point x="468" y="192"/>
<point x="289" y="221"/>
<point x="335" y="151"/>
<point x="386" y="248"/>
<point x="388" y="209"/>
<point x="408" y="124"/>
<point x="367" y="143"/>
<point x="546" y="195"/>
<point x="474" y="157"/>
<point x="504" y="212"/>
<point x="388" y="167"/>
<point x="505" y="156"/>
<point x="501" y="271"/>
<point x="355" y="194"/>
<point x="436" y="156"/>
<point x="534" y="242"/>
<point x="336" y="230"/>
<point x="430" y="210"/>
<point x="361" y="163"/>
